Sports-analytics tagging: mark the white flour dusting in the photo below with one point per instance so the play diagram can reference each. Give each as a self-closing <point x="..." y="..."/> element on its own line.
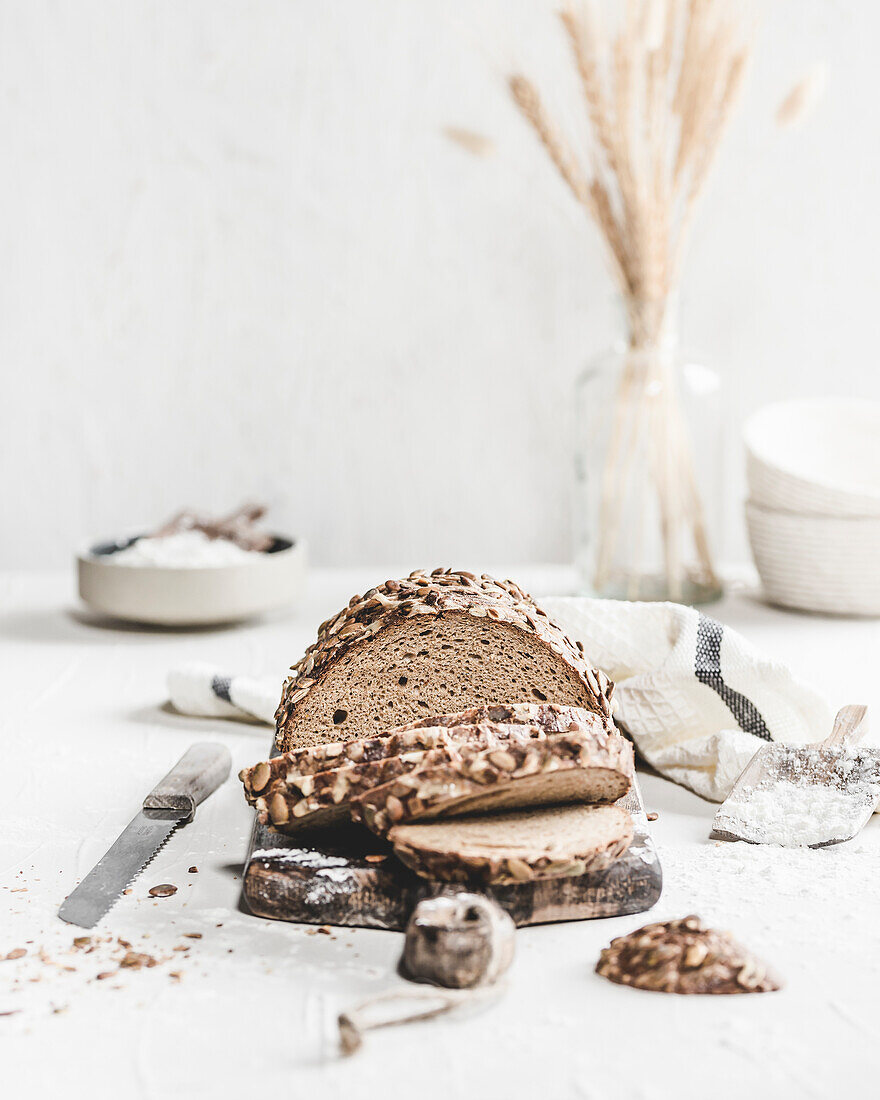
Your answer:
<point x="796" y="815"/>
<point x="302" y="857"/>
<point x="182" y="550"/>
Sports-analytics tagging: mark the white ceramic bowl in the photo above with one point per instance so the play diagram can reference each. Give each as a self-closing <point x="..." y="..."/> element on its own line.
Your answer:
<point x="820" y="457"/>
<point x="817" y="563"/>
<point x="194" y="595"/>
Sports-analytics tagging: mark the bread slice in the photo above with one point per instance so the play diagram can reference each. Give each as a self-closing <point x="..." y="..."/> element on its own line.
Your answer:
<point x="568" y="767"/>
<point x="430" y="644"/>
<point x="427" y="733"/>
<point x="522" y="846"/>
<point x="320" y="801"/>
<point x="338" y="754"/>
<point x="294" y="802"/>
<point x="551" y="717"/>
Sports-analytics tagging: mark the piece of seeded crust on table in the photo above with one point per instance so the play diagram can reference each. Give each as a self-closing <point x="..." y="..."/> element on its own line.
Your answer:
<point x="431" y="643"/>
<point x="295" y="802"/>
<point x="520" y="846"/>
<point x="681" y="956"/>
<point x="427" y="733"/>
<point x="562" y="768"/>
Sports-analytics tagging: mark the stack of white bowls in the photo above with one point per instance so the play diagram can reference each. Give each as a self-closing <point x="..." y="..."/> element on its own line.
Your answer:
<point x="813" y="513"/>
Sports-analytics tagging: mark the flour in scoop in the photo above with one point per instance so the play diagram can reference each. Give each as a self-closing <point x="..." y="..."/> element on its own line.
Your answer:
<point x="795" y="815"/>
<point x="181" y="550"/>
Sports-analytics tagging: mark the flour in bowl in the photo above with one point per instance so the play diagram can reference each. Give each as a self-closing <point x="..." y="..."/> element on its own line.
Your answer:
<point x="795" y="815"/>
<point x="181" y="550"/>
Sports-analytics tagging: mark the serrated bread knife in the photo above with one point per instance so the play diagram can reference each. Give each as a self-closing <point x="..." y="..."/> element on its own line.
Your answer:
<point x="172" y="802"/>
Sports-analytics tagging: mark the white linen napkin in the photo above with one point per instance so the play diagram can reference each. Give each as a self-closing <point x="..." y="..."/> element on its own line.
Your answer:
<point x="697" y="699"/>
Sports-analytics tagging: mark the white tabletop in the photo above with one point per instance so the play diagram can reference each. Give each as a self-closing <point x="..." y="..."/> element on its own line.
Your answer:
<point x="85" y="733"/>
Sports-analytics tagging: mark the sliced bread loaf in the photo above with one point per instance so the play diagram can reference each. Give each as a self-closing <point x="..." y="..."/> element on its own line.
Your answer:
<point x="430" y="644"/>
<point x="294" y="802"/>
<point x="521" y="846"/>
<point x="427" y="733"/>
<point x="570" y="767"/>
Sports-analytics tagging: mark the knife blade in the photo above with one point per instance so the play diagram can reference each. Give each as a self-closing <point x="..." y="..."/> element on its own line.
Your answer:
<point x="172" y="802"/>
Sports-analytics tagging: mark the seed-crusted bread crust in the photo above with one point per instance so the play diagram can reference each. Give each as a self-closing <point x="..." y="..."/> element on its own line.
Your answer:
<point x="295" y="802"/>
<point x="339" y="754"/>
<point x="423" y="594"/>
<point x="488" y="850"/>
<point x="318" y="801"/>
<point x="426" y="733"/>
<point x="567" y="767"/>
<point x="680" y="956"/>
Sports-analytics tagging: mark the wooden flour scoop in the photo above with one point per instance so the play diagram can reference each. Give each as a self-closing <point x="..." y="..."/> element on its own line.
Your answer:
<point x="806" y="795"/>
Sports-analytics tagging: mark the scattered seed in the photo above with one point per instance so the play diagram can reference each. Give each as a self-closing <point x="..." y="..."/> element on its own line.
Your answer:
<point x="82" y="941"/>
<point x="652" y="817"/>
<point x="375" y="859"/>
<point x="164" y="890"/>
<point x="193" y="935"/>
<point x="128" y="891"/>
<point x="193" y="870"/>
<point x="106" y="974"/>
<point x="324" y="930"/>
<point x="134" y="960"/>
<point x="16" y="953"/>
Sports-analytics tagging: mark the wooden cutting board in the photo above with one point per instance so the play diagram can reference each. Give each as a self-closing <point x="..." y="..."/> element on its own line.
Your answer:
<point x="350" y="877"/>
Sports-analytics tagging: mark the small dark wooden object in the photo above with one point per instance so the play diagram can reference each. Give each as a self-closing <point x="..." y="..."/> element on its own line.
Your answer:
<point x="458" y="940"/>
<point x="350" y="877"/>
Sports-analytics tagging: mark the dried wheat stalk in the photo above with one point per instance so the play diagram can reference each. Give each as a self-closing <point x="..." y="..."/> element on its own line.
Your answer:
<point x="658" y="95"/>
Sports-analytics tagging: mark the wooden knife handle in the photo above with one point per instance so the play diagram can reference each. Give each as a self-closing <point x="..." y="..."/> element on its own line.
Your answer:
<point x="850" y="726"/>
<point x="198" y="773"/>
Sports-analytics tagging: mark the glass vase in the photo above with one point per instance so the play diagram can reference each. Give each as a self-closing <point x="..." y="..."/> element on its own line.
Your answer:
<point x="649" y="454"/>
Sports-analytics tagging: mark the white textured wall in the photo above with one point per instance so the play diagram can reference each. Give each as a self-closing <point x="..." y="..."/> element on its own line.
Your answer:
<point x="239" y="258"/>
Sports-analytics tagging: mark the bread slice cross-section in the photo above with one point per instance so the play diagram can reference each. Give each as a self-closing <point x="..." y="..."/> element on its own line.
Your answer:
<point x="561" y="768"/>
<point x="431" y="643"/>
<point x="521" y="846"/>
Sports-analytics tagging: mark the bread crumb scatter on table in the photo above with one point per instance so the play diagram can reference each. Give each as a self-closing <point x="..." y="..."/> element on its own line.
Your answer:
<point x="134" y="960"/>
<point x="163" y="890"/>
